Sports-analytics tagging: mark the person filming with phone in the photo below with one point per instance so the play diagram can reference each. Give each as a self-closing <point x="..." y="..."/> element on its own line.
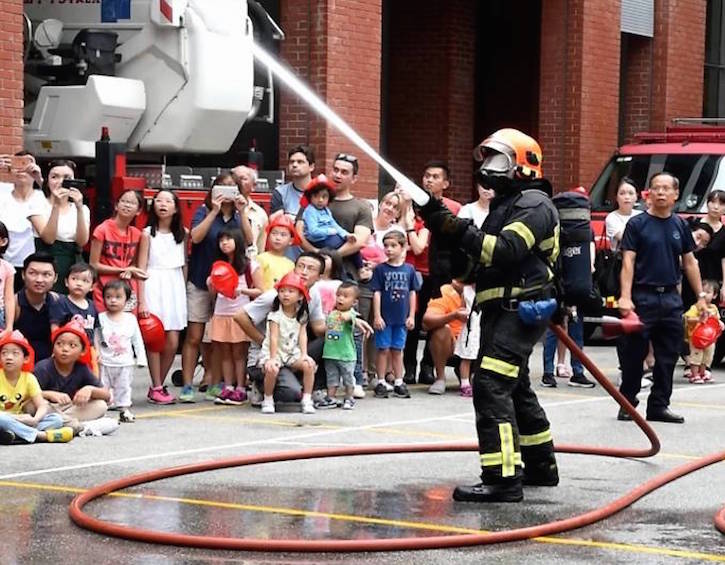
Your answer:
<point x="16" y="206"/>
<point x="62" y="226"/>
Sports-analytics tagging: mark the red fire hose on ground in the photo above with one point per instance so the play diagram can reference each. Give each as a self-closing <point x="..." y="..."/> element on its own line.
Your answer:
<point x="395" y="544"/>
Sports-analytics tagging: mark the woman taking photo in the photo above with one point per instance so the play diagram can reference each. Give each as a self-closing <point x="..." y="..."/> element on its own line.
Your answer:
<point x="62" y="226"/>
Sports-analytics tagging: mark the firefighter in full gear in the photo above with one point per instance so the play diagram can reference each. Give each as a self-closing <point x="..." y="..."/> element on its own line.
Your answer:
<point x="514" y="254"/>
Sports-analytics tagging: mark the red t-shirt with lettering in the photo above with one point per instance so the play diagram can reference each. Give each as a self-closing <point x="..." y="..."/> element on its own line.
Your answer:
<point x="118" y="249"/>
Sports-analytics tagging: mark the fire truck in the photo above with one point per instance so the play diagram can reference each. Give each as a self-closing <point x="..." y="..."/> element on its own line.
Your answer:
<point x="157" y="77"/>
<point x="692" y="149"/>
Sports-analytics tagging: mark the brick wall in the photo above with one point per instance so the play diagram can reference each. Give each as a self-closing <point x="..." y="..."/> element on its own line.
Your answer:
<point x="431" y="88"/>
<point x="11" y="77"/>
<point x="679" y="55"/>
<point x="579" y="88"/>
<point x="636" y="98"/>
<point x="335" y="45"/>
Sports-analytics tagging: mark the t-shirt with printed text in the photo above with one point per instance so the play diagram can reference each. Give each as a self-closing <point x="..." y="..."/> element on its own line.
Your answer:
<point x="394" y="283"/>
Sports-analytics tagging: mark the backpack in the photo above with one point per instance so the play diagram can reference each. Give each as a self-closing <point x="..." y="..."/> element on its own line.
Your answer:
<point x="575" y="237"/>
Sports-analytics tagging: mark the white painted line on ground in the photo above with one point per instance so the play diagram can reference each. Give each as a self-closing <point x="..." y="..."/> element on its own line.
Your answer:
<point x="455" y="417"/>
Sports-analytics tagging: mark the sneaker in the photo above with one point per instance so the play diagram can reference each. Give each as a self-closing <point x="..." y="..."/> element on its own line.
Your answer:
<point x="267" y="406"/>
<point x="231" y="397"/>
<point x="6" y="437"/>
<point x="61" y="435"/>
<point x="348" y="404"/>
<point x="381" y="391"/>
<point x="203" y="387"/>
<point x="326" y="403"/>
<point x="160" y="395"/>
<point x="126" y="416"/>
<point x="696" y="379"/>
<point x="307" y="406"/>
<point x="318" y="396"/>
<point x="579" y="380"/>
<point x="212" y="392"/>
<point x="438" y="387"/>
<point x="548" y="380"/>
<point x="255" y="396"/>
<point x="466" y="391"/>
<point x="401" y="391"/>
<point x="236" y="397"/>
<point x="100" y="427"/>
<point x="707" y="377"/>
<point x="187" y="394"/>
<point x="358" y="392"/>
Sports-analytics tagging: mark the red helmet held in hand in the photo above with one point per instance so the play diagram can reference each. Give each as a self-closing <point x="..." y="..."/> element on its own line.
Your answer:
<point x="152" y="332"/>
<point x="706" y="333"/>
<point x="224" y="279"/>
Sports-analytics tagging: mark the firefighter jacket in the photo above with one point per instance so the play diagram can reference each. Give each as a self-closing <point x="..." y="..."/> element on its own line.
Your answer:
<point x="517" y="248"/>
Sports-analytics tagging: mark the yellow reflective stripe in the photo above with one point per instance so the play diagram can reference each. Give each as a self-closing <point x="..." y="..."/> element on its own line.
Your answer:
<point x="500" y="367"/>
<point x="523" y="231"/>
<point x="535" y="439"/>
<point x="508" y="463"/>
<point x="494" y="459"/>
<point x="489" y="243"/>
<point x="499" y="292"/>
<point x="551" y="242"/>
<point x="555" y="251"/>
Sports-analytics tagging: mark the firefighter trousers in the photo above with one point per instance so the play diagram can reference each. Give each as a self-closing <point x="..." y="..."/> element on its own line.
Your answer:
<point x="512" y="427"/>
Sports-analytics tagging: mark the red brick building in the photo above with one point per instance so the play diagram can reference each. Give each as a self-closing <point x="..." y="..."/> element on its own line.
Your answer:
<point x="421" y="79"/>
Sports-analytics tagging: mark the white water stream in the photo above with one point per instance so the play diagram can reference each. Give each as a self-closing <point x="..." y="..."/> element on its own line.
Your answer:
<point x="318" y="105"/>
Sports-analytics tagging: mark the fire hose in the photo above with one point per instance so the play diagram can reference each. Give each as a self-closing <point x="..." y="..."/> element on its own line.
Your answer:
<point x="88" y="522"/>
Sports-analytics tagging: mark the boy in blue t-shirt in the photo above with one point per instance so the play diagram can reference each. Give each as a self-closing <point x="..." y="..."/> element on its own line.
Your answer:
<point x="394" y="287"/>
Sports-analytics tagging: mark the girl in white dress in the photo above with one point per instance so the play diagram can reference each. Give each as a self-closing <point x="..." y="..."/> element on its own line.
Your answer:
<point x="165" y="289"/>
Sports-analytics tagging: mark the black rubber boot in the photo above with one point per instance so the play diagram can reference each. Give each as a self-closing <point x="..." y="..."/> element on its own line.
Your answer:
<point x="541" y="473"/>
<point x="509" y="491"/>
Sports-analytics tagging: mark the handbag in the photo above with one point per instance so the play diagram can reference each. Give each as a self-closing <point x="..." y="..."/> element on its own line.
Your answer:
<point x="607" y="267"/>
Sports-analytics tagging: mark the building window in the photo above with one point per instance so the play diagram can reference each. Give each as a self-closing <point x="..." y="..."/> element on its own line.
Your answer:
<point x="714" y="91"/>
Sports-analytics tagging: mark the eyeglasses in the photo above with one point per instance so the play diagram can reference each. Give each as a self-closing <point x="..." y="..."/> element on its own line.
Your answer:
<point x="347" y="158"/>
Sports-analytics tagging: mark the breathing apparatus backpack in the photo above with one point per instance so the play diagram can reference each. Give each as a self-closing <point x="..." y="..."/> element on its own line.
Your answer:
<point x="575" y="236"/>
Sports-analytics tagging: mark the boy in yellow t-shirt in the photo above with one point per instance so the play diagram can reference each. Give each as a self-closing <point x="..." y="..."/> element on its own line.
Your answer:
<point x="24" y="413"/>
<point x="273" y="262"/>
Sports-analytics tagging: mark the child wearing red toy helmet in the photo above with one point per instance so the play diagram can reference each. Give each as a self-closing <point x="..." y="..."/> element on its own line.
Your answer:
<point x="321" y="229"/>
<point x="285" y="341"/>
<point x="68" y="384"/>
<point x="702" y="334"/>
<point x="274" y="263"/>
<point x="19" y="391"/>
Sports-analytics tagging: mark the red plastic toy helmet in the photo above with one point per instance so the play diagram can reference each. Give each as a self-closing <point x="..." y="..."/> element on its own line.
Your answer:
<point x="19" y="339"/>
<point x="152" y="332"/>
<point x="706" y="333"/>
<point x="317" y="183"/>
<point x="224" y="278"/>
<point x="75" y="328"/>
<point x="511" y="153"/>
<point x="282" y="221"/>
<point x="295" y="281"/>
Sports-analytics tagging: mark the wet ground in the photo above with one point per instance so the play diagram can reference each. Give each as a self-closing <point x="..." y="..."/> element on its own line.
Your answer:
<point x="368" y="497"/>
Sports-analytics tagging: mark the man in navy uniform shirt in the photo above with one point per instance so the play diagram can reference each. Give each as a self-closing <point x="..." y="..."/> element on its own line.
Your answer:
<point x="657" y="246"/>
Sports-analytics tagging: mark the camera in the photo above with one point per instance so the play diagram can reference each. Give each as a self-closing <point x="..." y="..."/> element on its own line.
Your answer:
<point x="80" y="184"/>
<point x="228" y="192"/>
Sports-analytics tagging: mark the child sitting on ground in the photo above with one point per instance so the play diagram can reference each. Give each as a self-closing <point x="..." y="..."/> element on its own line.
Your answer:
<point x="339" y="353"/>
<point x="321" y="229"/>
<point x="24" y="413"/>
<point x="699" y="360"/>
<point x="120" y="347"/>
<point x="66" y="379"/>
<point x="281" y="234"/>
<point x="285" y="342"/>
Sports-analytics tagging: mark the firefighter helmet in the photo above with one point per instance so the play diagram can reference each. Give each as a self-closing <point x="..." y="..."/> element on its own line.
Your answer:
<point x="511" y="153"/>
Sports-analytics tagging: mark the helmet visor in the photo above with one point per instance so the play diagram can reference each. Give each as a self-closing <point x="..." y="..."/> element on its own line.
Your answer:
<point x="496" y="163"/>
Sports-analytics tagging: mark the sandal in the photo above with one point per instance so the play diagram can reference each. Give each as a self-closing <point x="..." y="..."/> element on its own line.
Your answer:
<point x="562" y="371"/>
<point x="696" y="380"/>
